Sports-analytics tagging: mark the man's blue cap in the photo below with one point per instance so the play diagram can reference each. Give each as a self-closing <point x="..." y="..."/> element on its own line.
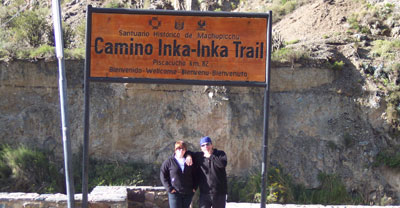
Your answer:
<point x="205" y="140"/>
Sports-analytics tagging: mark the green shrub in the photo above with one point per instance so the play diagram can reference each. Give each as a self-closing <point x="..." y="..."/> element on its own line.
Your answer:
<point x="288" y="55"/>
<point x="8" y="46"/>
<point x="396" y="67"/>
<point x="235" y="184"/>
<point x="332" y="191"/>
<point x="277" y="41"/>
<point x="385" y="11"/>
<point x="248" y="189"/>
<point x="26" y="170"/>
<point x="31" y="170"/>
<point x="281" y="189"/>
<point x="348" y="140"/>
<point x="291" y="42"/>
<point x="113" y="173"/>
<point x="385" y="49"/>
<point x="81" y="34"/>
<point x="31" y="27"/>
<point x="234" y="5"/>
<point x="23" y="53"/>
<point x="68" y="35"/>
<point x="4" y="53"/>
<point x="371" y="14"/>
<point x="76" y="53"/>
<point x="289" y="6"/>
<point x="393" y="108"/>
<point x="10" y="10"/>
<point x="251" y="191"/>
<point x="114" y="4"/>
<point x="281" y="8"/>
<point x="337" y="65"/>
<point x="5" y="170"/>
<point x="107" y="173"/>
<point x="44" y="51"/>
<point x="355" y="24"/>
<point x="389" y="158"/>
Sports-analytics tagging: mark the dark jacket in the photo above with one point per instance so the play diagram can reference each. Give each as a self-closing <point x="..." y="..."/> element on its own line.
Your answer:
<point x="211" y="174"/>
<point x="172" y="177"/>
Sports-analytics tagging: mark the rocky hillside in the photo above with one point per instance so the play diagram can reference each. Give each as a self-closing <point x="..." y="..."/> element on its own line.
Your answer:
<point x="357" y="33"/>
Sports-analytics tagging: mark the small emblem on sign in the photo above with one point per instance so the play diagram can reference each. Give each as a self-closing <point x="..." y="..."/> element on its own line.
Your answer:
<point x="154" y="23"/>
<point x="179" y="25"/>
<point x="202" y="25"/>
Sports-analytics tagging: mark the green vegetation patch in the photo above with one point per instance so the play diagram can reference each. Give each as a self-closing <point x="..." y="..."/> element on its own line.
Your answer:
<point x="373" y="14"/>
<point x="280" y="8"/>
<point x="332" y="191"/>
<point x="288" y="55"/>
<point x="116" y="173"/>
<point x="114" y="4"/>
<point x="385" y="48"/>
<point x="30" y="27"/>
<point x="389" y="158"/>
<point x="44" y="51"/>
<point x="26" y="33"/>
<point x="109" y="173"/>
<point x="28" y="170"/>
<point x="393" y="108"/>
<point x="32" y="170"/>
<point x="337" y="65"/>
<point x="281" y="189"/>
<point x="75" y="53"/>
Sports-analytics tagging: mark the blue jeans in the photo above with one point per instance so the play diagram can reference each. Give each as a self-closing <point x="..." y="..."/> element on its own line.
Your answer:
<point x="177" y="200"/>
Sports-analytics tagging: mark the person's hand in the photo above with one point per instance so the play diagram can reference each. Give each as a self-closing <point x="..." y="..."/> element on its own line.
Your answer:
<point x="189" y="160"/>
<point x="194" y="190"/>
<point x="173" y="191"/>
<point x="207" y="154"/>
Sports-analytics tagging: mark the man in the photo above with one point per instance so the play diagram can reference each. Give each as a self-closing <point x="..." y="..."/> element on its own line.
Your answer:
<point x="211" y="175"/>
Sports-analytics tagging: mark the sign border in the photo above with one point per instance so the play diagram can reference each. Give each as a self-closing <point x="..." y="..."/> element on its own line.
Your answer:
<point x="91" y="10"/>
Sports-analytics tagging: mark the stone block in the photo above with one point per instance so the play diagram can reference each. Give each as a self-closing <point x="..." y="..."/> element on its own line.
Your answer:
<point x="32" y="205"/>
<point x="136" y="196"/>
<point x="149" y="196"/>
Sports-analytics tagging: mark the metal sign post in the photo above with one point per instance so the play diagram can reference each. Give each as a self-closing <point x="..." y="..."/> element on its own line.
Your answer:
<point x="264" y="165"/>
<point x="62" y="85"/>
<point x="177" y="47"/>
<point x="85" y="154"/>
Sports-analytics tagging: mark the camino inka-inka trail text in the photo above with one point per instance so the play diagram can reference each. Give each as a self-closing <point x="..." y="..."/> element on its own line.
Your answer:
<point x="176" y="49"/>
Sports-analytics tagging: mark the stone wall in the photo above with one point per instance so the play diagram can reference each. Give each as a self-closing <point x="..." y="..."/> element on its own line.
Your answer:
<point x="321" y="121"/>
<point x="100" y="197"/>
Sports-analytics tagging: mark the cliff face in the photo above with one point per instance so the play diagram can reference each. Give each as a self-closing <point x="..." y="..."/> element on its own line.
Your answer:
<point x="321" y="120"/>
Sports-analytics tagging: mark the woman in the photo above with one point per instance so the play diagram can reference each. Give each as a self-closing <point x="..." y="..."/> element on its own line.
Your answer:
<point x="178" y="178"/>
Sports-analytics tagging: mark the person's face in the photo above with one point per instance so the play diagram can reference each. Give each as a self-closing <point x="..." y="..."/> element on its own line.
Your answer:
<point x="206" y="147"/>
<point x="179" y="152"/>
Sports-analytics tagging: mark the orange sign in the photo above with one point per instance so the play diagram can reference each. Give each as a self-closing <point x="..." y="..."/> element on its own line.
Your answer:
<point x="160" y="46"/>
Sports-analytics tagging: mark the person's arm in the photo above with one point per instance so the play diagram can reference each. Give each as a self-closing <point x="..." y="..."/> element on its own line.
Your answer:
<point x="219" y="159"/>
<point x="189" y="158"/>
<point x="165" y="177"/>
<point x="195" y="172"/>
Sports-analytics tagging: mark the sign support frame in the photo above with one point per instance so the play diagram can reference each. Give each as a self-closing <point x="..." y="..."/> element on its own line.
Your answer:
<point x="88" y="79"/>
<point x="264" y="165"/>
<point x="62" y="85"/>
